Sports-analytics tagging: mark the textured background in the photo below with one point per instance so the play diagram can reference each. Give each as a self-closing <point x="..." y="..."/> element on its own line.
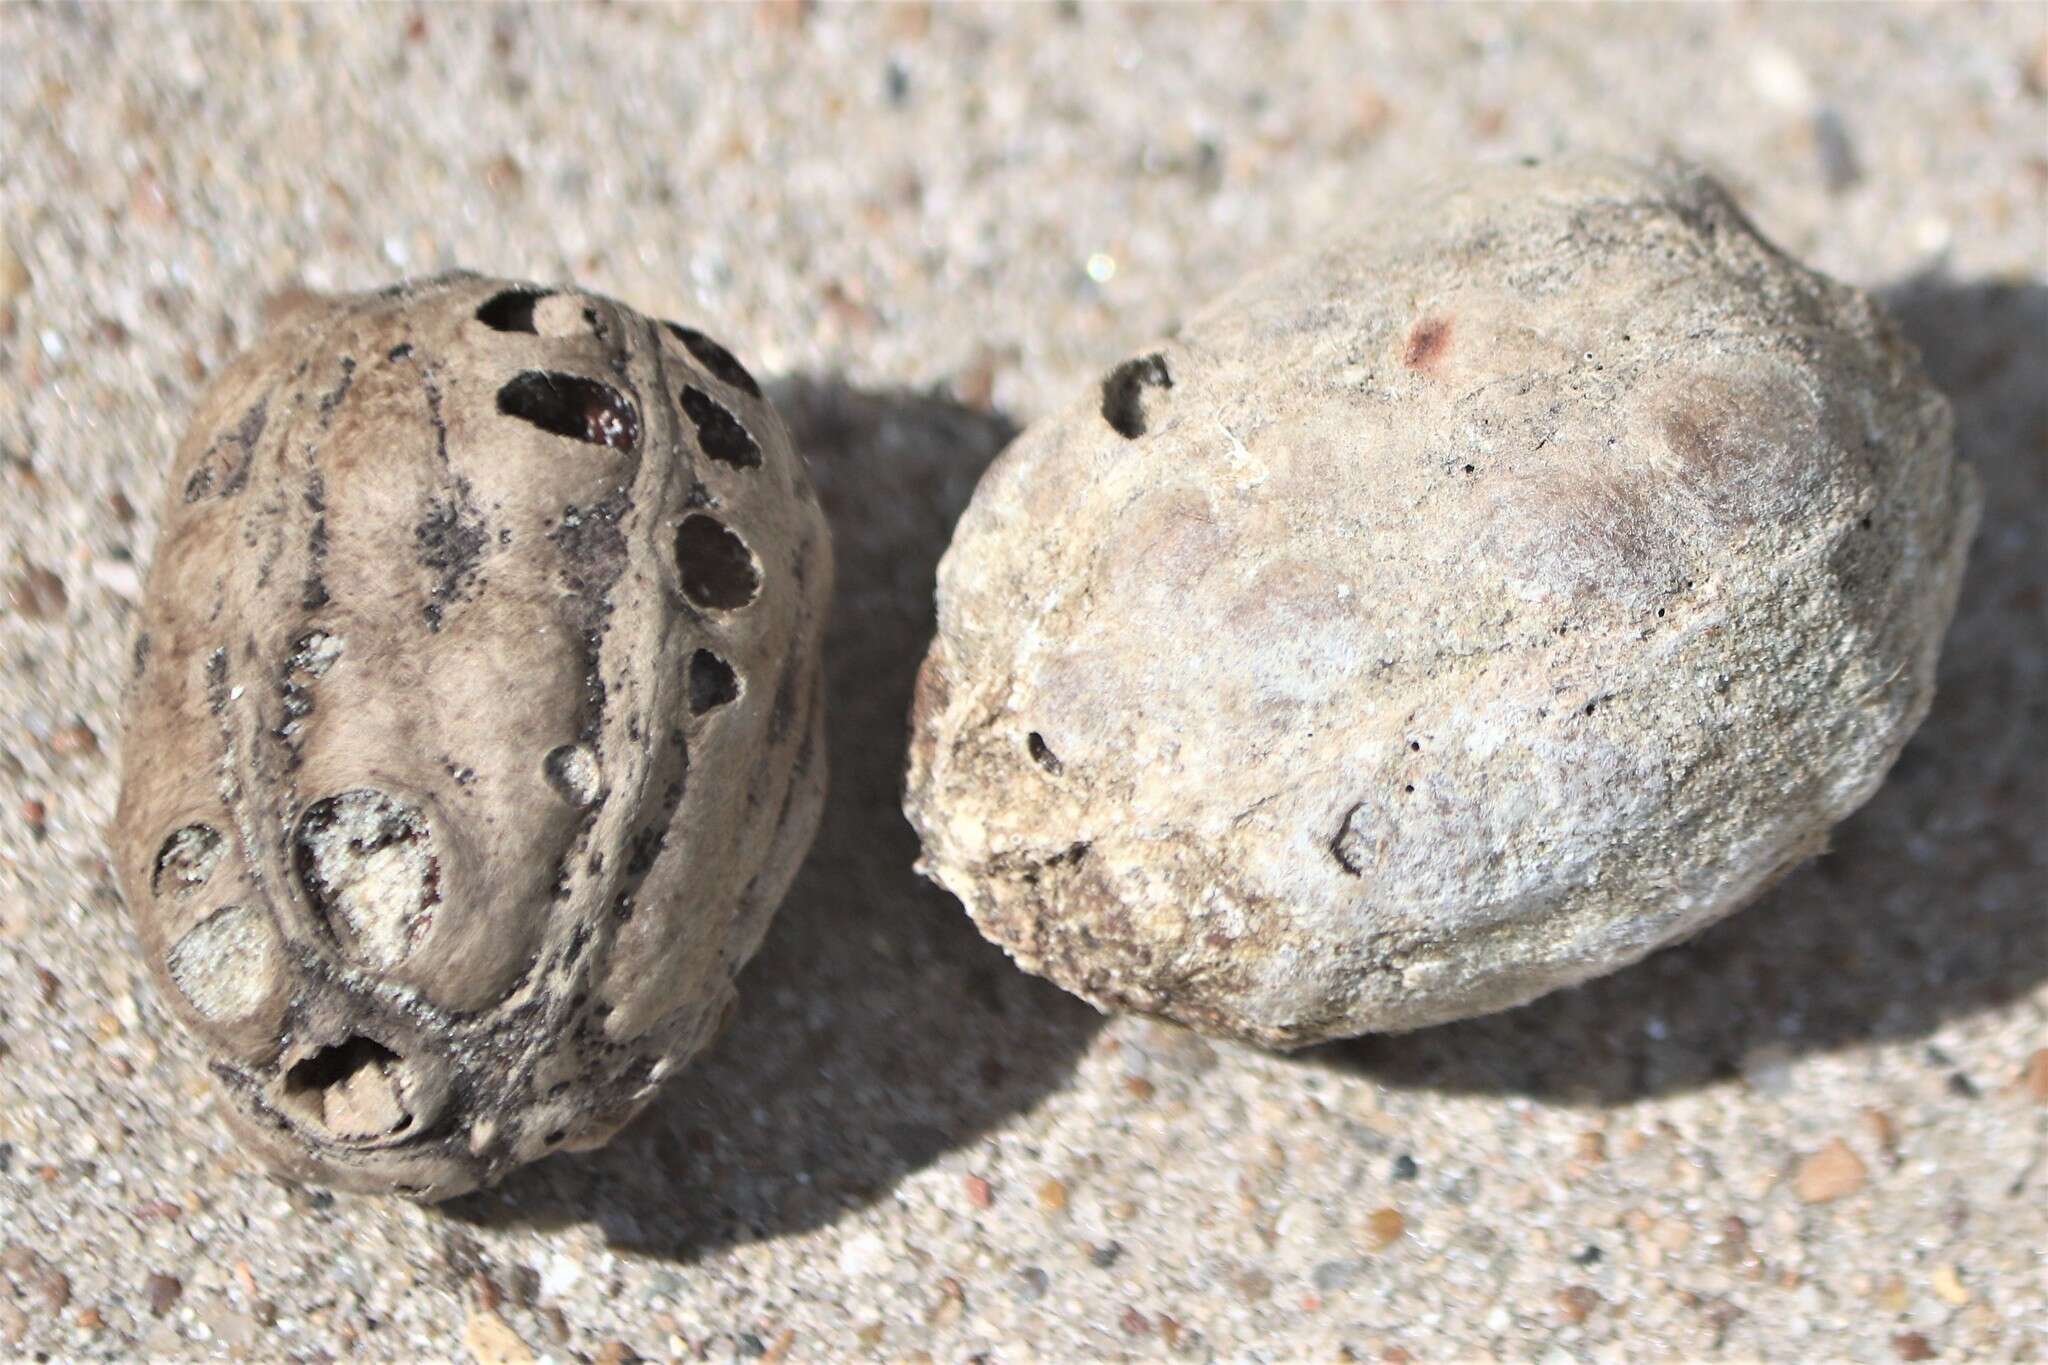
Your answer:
<point x="934" y="223"/>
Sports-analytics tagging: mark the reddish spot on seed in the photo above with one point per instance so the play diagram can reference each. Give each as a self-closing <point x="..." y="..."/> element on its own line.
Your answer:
<point x="1427" y="343"/>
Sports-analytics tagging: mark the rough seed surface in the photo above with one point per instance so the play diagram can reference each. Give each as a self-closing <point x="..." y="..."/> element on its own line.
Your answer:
<point x="924" y="226"/>
<point x="424" y="615"/>
<point x="1516" y="582"/>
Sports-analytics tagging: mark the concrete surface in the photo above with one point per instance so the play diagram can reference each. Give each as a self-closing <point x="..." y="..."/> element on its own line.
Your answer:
<point x="1819" y="1131"/>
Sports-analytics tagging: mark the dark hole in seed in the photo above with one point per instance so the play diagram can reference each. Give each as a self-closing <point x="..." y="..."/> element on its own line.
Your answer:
<point x="721" y="434"/>
<point x="1410" y="787"/>
<point x="1042" y="754"/>
<point x="1123" y="393"/>
<point x="712" y="682"/>
<point x="510" y="311"/>
<point x="1415" y="745"/>
<point x="557" y="1136"/>
<point x="353" y="1088"/>
<point x="717" y="568"/>
<point x="569" y="405"/>
<point x="1589" y="708"/>
<point x="330" y="1066"/>
<point x="715" y="358"/>
<point x="186" y="860"/>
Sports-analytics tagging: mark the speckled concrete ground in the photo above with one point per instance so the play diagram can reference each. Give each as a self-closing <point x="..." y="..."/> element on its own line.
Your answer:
<point x="1819" y="1131"/>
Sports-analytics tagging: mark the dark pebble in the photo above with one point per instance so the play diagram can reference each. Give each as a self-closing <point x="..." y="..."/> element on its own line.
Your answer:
<point x="1913" y="1346"/>
<point x="163" y="1291"/>
<point x="1404" y="1168"/>
<point x="1840" y="167"/>
<point x="1106" y="1255"/>
<point x="524" y="1284"/>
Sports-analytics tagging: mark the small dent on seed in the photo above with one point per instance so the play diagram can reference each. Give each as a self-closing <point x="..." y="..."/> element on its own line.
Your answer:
<point x="226" y="964"/>
<point x="369" y="867"/>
